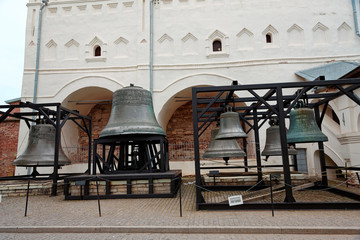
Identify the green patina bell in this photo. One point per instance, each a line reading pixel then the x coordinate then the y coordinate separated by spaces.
pixel 303 127
pixel 132 113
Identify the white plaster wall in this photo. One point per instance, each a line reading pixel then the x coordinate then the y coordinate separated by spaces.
pixel 72 27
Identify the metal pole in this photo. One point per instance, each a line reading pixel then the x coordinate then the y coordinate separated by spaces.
pixel 257 146
pixel 199 198
pixel 271 194
pixel 27 197
pixel 56 153
pixel 285 155
pixel 98 197
pixel 180 198
pixel 346 175
pixel 89 147
pixel 245 150
pixel 324 180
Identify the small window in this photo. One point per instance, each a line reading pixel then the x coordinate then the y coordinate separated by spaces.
pixel 335 117
pixel 97 51
pixel 268 38
pixel 217 46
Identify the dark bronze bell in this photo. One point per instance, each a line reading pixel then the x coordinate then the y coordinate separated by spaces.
pixel 303 127
pixel 41 148
pixel 222 148
pixel 132 113
pixel 230 125
pixel 273 143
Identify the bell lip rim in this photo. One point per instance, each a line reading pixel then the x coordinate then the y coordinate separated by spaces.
pixel 309 140
pixel 129 134
pixel 40 165
pixel 224 136
pixel 232 156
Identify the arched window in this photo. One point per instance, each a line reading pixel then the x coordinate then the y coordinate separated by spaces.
pixel 97 51
pixel 268 38
pixel 217 46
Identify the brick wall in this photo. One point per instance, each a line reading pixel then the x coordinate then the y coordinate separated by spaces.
pixel 9 132
pixel 180 134
pixel 179 131
pixel 99 116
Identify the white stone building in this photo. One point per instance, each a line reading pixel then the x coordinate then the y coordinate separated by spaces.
pixel 90 48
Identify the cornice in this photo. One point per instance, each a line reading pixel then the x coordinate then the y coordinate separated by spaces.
pixel 349 138
pixel 194 66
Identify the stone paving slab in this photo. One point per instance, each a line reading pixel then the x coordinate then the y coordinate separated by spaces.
pixel 111 236
pixel 162 216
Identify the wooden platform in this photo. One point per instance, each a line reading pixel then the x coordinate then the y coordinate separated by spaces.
pixel 124 185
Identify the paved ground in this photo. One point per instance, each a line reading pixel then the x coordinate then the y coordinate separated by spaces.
pixel 55 218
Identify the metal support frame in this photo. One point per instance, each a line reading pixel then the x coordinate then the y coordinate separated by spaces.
pixel 257 108
pixel 56 115
pixel 131 153
pixel 174 176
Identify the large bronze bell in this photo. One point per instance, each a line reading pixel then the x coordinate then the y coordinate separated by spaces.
pixel 132 113
pixel 41 148
pixel 303 127
pixel 222 148
pixel 230 125
pixel 273 143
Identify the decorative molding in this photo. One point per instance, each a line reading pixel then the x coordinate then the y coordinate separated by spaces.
pixel 121 40
pixel 245 39
pixel 95 59
pixel 200 66
pixel 95 41
pixel 31 44
pixel 72 42
pixel 189 45
pixel 344 26
pixel 320 34
pixel 245 31
pixel 52 10
pixel 216 34
pixel 189 36
pixel 51 43
pixel 81 7
pixel 165 37
pixel 270 29
pixel 344 33
pixel 97 7
pixel 112 5
pixel 67 9
pixel 295 27
pixel 274 37
pixel 167 1
pixel 89 51
pixel 320 26
pixel 128 4
pixel 349 138
pixel 295 35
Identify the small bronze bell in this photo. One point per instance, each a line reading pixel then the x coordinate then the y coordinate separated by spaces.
pixel 132 113
pixel 273 142
pixel 230 125
pixel 222 148
pixel 41 148
pixel 303 127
